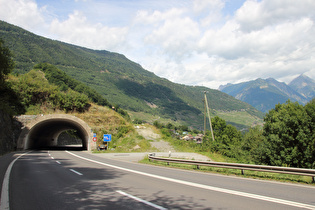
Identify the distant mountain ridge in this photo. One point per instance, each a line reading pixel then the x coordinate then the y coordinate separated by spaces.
pixel 304 85
pixel 264 94
pixel 121 81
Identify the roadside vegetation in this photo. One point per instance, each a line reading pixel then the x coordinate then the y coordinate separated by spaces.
pixel 287 138
pixel 47 87
pixel 234 172
pixel 104 120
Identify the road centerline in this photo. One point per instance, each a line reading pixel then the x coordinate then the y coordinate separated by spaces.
pixel 76 172
pixel 141 200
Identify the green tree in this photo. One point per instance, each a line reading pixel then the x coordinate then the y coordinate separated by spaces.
pixel 71 101
pixel 251 144
pixel 289 138
pixel 310 150
pixel 6 62
pixel 65 82
pixel 170 126
pixel 9 100
pixel 32 88
pixel 227 138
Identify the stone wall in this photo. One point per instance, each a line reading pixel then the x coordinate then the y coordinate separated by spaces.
pixel 10 130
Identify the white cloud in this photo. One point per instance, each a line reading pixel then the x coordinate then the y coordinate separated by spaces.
pixel 77 30
pixel 175 37
pixel 200 6
pixel 255 15
pixel 208 11
pixel 229 42
pixel 24 13
pixel 146 17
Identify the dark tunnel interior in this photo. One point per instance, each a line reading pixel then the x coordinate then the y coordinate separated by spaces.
pixel 44 135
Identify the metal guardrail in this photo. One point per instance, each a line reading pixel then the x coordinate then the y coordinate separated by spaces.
pixel 242 167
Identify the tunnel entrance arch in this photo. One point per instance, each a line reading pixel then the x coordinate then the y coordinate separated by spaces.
pixel 43 131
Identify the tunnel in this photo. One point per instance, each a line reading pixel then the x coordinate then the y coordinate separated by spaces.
pixel 43 132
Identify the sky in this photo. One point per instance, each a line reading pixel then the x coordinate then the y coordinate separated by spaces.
pixel 192 42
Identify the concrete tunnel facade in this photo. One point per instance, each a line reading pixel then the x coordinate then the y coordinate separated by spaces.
pixel 43 131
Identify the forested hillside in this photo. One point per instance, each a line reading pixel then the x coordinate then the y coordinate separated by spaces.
pixel 121 82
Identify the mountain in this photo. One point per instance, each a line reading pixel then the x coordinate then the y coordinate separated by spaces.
pixel 264 94
pixel 304 85
pixel 123 82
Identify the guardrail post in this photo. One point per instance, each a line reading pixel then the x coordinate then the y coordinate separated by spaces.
pixel 313 179
pixel 151 155
pixel 198 167
pixel 242 171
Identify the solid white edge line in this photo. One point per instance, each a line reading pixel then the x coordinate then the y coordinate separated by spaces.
pixel 141 200
pixel 217 189
pixel 74 171
pixel 5 202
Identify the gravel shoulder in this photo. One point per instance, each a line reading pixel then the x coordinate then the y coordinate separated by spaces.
pixel 161 149
pixel 155 139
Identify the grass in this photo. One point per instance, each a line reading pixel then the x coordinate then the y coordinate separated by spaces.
pixel 184 147
pixel 150 118
pixel 236 172
pixel 242 118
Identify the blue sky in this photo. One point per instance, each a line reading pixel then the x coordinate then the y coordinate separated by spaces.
pixel 193 42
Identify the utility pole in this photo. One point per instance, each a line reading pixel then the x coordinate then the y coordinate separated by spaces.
pixel 205 118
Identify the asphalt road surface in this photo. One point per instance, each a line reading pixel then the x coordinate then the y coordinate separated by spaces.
pixel 81 180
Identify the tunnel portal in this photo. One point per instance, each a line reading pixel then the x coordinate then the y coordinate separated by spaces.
pixel 43 132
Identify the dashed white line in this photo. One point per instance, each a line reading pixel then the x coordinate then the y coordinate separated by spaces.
pixel 74 171
pixel 141 200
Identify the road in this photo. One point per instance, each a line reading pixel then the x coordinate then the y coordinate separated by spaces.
pixel 81 180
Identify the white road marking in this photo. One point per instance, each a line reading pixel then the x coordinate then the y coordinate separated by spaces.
pixel 141 200
pixel 74 171
pixel 4 203
pixel 217 189
pixel 58 162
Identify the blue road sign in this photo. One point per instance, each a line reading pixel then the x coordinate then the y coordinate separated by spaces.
pixel 94 134
pixel 107 137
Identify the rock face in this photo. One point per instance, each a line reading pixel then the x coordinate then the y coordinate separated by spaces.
pixel 10 130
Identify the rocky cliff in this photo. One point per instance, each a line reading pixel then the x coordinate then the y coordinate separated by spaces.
pixel 10 130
